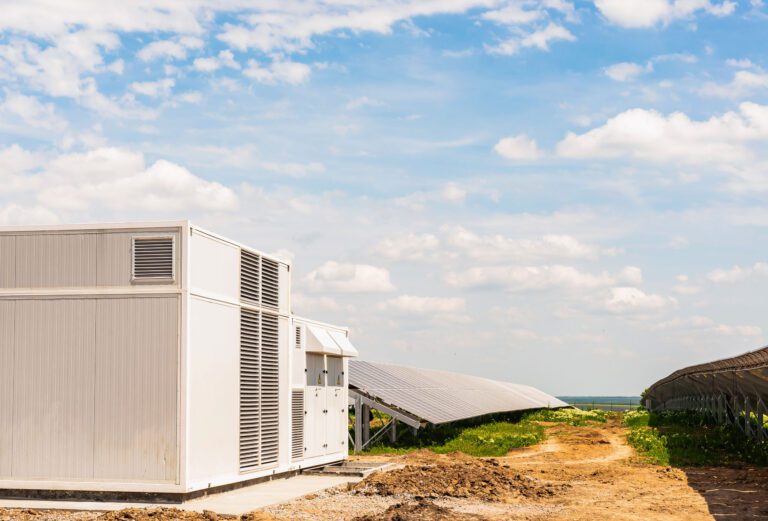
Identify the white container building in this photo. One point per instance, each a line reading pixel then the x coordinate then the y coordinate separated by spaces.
pixel 158 358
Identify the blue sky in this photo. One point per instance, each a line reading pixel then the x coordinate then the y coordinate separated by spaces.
pixel 564 194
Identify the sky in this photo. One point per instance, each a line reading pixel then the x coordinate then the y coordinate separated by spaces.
pixel 567 194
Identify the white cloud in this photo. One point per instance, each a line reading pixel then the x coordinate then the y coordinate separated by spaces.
pixel 361 102
pixel 453 193
pixel 112 179
pixel 629 299
pixel 743 84
pixel 737 273
pixel 303 303
pixel 514 14
pixel 526 278
pixel 520 147
pixel 647 13
pixel 424 305
pixel 349 278
pixel 539 39
pixel 225 58
pixel 293 73
pixel 169 49
pixel 18 110
pixel 153 89
pixel 412 246
pixel 627 71
pixel 650 136
pixel 498 248
pixel 743 63
pixel 193 96
pixel 293 169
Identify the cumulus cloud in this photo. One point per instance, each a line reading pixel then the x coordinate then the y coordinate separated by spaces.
pixel 737 273
pixel 225 58
pixel 349 278
pixel 743 84
pixel 18 111
pixel 424 305
pixel 412 246
pixel 499 248
pixel 153 89
pixel 526 278
pixel 453 193
pixel 629 299
pixel 520 147
pixel 651 136
pixel 113 179
pixel 282 71
pixel 539 39
pixel 653 12
pixel 627 71
pixel 169 49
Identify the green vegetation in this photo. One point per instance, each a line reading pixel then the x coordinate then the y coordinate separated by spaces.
pixel 682 438
pixel 488 436
pixel 568 416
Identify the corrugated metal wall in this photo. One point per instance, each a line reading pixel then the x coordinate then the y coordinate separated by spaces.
pixel 93 388
pixel 88 384
pixel 54 389
pixel 136 382
pixel 6 385
pixel 69 260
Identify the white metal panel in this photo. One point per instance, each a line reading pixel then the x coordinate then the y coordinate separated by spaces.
pixel 7 261
pixel 56 260
pixel 347 349
pixel 285 289
pixel 214 267
pixel 315 429
pixel 137 345
pixel 320 341
pixel 6 386
pixel 336 420
pixel 213 363
pixel 284 388
pixel 54 389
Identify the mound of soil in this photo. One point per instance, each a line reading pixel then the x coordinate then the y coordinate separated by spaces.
pixel 420 511
pixel 479 479
pixel 160 514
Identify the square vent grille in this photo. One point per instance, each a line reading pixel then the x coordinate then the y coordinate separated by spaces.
pixel 153 258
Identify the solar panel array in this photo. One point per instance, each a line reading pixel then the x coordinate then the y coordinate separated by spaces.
pixel 441 396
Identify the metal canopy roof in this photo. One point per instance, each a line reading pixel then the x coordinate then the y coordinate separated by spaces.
pixel 440 396
pixel 748 371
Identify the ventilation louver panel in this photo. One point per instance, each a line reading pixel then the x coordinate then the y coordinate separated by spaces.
pixel 270 412
pixel 297 425
pixel 250 390
pixel 153 258
pixel 298 337
pixel 250 268
pixel 270 282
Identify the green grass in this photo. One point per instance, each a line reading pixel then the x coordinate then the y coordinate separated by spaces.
pixel 682 438
pixel 486 437
pixel 569 416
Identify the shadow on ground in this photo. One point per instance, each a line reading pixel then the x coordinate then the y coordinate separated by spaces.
pixel 732 493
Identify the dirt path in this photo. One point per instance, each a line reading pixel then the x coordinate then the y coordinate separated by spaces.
pixel 577 474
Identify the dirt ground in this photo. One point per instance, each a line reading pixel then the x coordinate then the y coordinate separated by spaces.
pixel 577 474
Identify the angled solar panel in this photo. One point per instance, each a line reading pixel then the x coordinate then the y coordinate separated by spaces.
pixel 441 396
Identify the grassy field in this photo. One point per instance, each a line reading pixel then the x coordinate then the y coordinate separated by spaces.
pixel 686 439
pixel 493 437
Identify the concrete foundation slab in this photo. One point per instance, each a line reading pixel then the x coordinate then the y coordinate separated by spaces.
pixel 235 502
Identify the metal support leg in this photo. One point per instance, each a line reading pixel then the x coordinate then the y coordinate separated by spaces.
pixel 358 424
pixel 393 431
pixel 366 417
